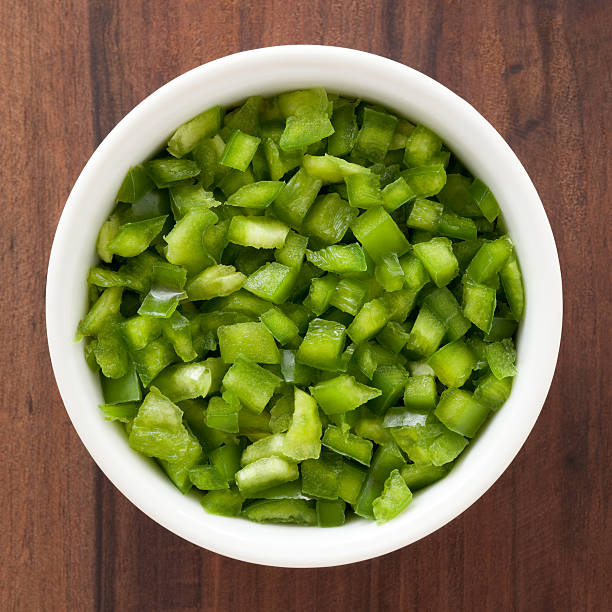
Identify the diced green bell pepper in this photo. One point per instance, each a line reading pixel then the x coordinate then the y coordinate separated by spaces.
pixel 296 511
pixel 184 381
pixel 379 234
pixel 239 150
pixel 322 345
pixel 394 499
pixel 265 473
pixel 187 136
pixel 253 384
pixel 258 232
pixel 248 340
pixel 453 363
pixel 460 412
pixel 348 444
pixel 342 394
pixel 215 281
pixel 339 258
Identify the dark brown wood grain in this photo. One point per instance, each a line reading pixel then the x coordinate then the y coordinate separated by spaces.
pixel 540 71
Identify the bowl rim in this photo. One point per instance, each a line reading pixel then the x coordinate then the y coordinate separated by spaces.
pixel 269 544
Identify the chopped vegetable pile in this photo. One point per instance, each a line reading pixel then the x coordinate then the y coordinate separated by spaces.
pixel 305 308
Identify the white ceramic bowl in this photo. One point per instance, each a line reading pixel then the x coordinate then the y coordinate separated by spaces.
pixel 268 71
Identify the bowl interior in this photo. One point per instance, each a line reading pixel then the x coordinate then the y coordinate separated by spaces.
pixel 268 71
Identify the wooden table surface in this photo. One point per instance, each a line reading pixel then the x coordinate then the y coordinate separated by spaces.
pixel 540 72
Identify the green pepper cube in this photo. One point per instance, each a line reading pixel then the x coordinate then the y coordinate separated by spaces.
pixel 393 336
pixel 339 258
pixel 223 503
pixel 501 357
pixel 484 199
pixel 391 380
pixel 187 136
pixel 258 232
pixel 489 260
pixel 389 272
pixel 342 141
pixel 415 274
pixel 178 470
pixel 272 282
pixel 302 130
pixel 246 117
pixel 349 294
pixel 105 309
pixel 292 253
pixel 184 381
pixel 351 480
pixel 394 499
pixel 296 511
pixel 363 190
pixel 239 150
pixel 425 215
pixel 207 478
pixel 184 241
pixel 420 392
pixel 397 194
pixel 257 195
pixel 250 340
pixel 375 135
pixel 426 334
pixel 387 457
pixel 226 458
pixel 369 321
pixel 379 234
pixel 215 281
pixel 152 359
pixel 328 219
pixel 348 444
pixel 167 283
pixel 342 394
pixel 454 226
pixel 438 258
pixel 460 412
pixel 265 473
pixel 302 100
pixel 320 293
pixel 279 325
pixel 121 390
pixel 253 385
pixel 294 372
pixel 479 303
pixel 456 196
pixel 512 282
pixel 446 308
pixel 124 413
pixel 432 443
pixel 322 345
pixel 133 238
pixel 492 392
pixel 158 430
pixel 419 476
pixel 222 416
pixel 303 438
pixel 425 181
pixel 270 446
pixel 320 477
pixel 166 171
pixel 295 200
pixel 280 162
pixel 422 144
pixel 453 363
pixel 134 186
pixel 330 513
